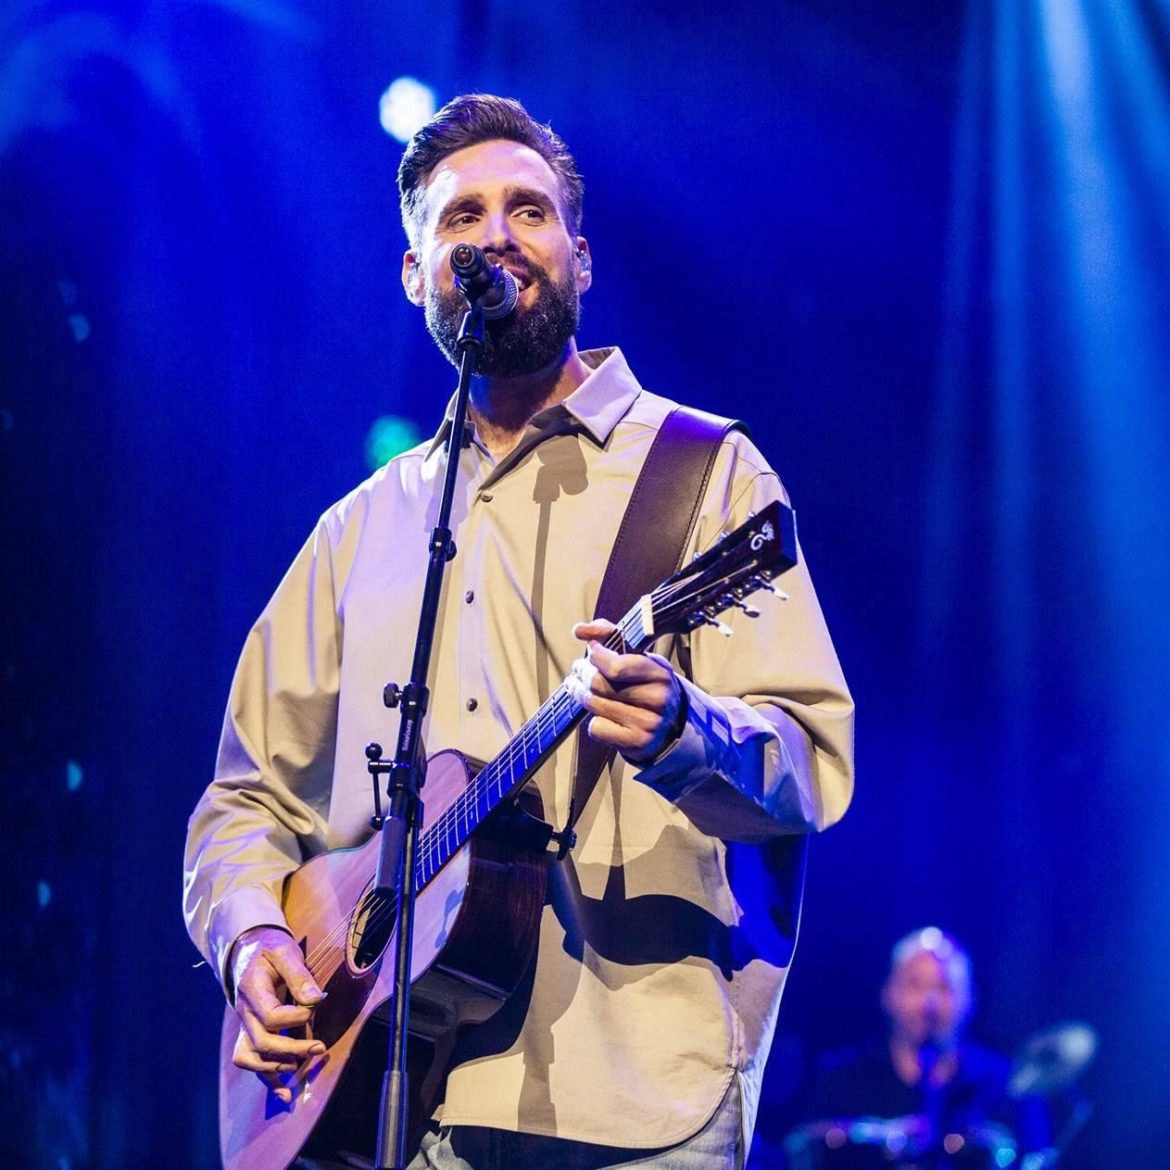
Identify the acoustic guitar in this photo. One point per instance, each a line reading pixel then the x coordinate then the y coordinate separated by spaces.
pixel 480 878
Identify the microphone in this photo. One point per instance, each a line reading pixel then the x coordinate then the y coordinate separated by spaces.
pixel 492 285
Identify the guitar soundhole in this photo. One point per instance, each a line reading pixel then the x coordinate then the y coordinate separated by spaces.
pixel 371 928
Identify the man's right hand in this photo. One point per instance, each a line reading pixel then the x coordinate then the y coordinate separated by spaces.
pixel 266 961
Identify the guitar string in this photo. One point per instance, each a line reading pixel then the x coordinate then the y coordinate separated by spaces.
pixel 444 833
pixel 442 839
pixel 531 735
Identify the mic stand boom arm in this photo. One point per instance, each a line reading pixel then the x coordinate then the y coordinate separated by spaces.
pixel 400 828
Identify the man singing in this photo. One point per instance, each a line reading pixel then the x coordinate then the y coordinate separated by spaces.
pixel 640 1034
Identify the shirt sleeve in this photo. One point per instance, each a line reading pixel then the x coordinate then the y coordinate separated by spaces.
pixel 767 745
pixel 265 810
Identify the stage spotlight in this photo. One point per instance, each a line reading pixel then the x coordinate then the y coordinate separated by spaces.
pixel 406 106
pixel 389 436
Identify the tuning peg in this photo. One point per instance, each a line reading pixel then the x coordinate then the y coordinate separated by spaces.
pixel 762 582
pixel 699 552
pixel 715 623
pixel 750 610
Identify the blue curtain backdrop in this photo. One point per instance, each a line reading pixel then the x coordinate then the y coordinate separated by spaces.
pixel 932 247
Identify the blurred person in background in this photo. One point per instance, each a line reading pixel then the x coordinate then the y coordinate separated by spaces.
pixel 927 1093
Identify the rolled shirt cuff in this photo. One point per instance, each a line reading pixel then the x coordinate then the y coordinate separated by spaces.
pixel 705 745
pixel 241 910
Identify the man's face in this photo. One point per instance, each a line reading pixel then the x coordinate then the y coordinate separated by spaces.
pixel 504 198
pixel 923 1004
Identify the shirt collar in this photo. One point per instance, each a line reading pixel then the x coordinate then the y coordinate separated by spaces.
pixel 606 395
pixel 598 404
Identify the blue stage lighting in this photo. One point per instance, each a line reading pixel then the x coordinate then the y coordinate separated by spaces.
pixel 405 107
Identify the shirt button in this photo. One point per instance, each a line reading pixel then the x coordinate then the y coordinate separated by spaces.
pixel 485 497
pixel 472 704
pixel 469 596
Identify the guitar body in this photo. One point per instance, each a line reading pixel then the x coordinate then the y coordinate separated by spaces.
pixel 476 925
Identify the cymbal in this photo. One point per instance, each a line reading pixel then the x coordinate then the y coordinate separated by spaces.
pixel 1052 1059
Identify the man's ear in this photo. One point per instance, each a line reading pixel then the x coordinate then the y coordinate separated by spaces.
pixel 413 282
pixel 584 265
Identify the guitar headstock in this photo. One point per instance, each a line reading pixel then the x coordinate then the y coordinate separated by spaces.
pixel 742 563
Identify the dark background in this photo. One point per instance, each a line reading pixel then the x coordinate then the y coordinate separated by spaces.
pixel 921 248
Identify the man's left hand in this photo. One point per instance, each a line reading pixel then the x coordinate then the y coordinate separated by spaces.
pixel 636 701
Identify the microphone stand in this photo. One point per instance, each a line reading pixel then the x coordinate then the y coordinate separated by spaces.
pixel 400 827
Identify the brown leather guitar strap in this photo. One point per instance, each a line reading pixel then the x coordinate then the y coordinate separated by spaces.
pixel 657 524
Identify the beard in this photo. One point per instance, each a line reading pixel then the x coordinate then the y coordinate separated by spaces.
pixel 528 341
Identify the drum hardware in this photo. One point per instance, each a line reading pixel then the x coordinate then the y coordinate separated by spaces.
pixel 901 1143
pixel 1051 1060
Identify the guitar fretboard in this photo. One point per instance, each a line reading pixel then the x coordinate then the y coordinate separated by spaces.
pixel 508 771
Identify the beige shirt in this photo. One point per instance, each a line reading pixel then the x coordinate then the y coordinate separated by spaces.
pixel 669 983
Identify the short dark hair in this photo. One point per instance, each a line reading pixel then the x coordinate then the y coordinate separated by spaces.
pixel 481 117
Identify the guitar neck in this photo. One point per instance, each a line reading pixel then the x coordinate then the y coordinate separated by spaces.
pixel 741 563
pixel 506 773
